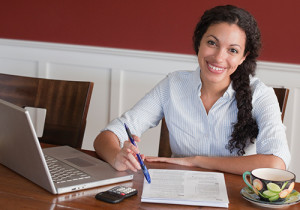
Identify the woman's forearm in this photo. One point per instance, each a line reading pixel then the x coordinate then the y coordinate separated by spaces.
pixel 107 146
pixel 238 165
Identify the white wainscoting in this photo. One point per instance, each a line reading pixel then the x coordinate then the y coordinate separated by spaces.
pixel 122 77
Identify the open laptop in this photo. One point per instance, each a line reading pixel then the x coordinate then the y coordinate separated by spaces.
pixel 20 151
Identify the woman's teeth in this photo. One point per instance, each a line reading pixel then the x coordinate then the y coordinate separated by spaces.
pixel 215 68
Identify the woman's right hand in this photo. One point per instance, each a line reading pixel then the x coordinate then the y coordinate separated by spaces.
pixel 126 158
pixel 107 147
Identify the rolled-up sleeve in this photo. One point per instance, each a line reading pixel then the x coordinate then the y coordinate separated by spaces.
pixel 146 114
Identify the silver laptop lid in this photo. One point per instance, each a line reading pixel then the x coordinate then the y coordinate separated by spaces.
pixel 19 146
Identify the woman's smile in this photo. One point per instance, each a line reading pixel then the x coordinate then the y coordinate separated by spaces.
pixel 215 68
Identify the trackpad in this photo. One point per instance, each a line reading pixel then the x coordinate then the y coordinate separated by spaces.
pixel 79 162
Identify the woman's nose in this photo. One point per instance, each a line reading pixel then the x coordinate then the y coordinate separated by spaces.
pixel 220 55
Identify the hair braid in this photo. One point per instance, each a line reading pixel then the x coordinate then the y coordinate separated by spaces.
pixel 246 128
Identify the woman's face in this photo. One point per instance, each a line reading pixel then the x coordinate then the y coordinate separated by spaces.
pixel 220 52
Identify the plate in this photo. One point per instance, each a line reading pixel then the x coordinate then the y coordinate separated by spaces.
pixel 291 199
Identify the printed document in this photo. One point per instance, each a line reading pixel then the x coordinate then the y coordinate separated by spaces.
pixel 186 187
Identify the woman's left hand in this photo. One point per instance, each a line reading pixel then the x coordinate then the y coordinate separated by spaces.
pixel 186 161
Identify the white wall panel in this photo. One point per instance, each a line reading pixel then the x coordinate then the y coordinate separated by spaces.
pixel 293 131
pixel 134 86
pixel 19 66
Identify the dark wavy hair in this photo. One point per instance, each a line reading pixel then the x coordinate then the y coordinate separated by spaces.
pixel 245 129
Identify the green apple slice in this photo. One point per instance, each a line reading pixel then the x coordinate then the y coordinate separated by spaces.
pixel 269 194
pixel 273 187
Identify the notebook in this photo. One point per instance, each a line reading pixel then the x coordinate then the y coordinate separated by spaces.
pixel 20 151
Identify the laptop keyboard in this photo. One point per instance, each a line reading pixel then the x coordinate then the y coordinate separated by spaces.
pixel 62 172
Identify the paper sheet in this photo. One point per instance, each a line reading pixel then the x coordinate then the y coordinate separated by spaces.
pixel 186 187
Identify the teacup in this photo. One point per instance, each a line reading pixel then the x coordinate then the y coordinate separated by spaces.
pixel 270 184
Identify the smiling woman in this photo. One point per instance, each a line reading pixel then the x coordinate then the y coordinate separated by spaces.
pixel 220 41
pixel 214 113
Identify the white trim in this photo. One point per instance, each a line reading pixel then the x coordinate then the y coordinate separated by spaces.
pixel 276 66
pixel 99 50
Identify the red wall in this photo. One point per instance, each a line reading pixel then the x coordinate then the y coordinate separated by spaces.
pixel 155 25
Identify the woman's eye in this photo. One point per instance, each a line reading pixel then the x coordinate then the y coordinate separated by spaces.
pixel 232 50
pixel 210 42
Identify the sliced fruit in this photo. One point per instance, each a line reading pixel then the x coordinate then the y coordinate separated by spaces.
pixel 269 194
pixel 284 193
pixel 273 187
pixel 274 198
pixel 257 184
pixel 291 187
pixel 256 191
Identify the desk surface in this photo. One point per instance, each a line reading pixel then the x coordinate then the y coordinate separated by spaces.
pixel 17 192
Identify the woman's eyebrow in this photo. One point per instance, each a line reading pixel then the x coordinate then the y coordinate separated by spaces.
pixel 213 37
pixel 236 45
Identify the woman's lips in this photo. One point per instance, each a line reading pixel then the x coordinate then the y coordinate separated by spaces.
pixel 215 69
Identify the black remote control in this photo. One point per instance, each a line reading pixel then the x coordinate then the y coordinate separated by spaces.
pixel 116 194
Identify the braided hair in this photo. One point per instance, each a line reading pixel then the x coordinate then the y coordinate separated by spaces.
pixel 245 129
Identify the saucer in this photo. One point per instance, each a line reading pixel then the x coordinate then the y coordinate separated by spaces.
pixel 249 195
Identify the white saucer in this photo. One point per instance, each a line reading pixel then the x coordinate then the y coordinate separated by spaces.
pixel 250 196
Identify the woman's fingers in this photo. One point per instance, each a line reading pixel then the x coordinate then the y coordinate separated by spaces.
pixel 133 161
pixel 126 158
pixel 136 138
pixel 129 145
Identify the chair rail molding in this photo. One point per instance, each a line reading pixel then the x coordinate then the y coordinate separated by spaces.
pixel 121 77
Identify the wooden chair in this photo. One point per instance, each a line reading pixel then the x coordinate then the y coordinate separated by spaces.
pixel 66 104
pixel 282 96
pixel 164 143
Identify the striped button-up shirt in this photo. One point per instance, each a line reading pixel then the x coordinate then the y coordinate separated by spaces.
pixel 193 131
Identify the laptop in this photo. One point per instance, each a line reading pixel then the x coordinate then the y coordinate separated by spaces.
pixel 20 151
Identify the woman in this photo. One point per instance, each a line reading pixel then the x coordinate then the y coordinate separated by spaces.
pixel 214 113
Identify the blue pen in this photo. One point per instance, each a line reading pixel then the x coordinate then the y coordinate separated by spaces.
pixel 144 168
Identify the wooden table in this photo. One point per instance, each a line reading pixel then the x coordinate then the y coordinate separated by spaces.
pixel 17 192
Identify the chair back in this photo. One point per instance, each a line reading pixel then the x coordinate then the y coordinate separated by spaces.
pixel 164 149
pixel 66 104
pixel 282 96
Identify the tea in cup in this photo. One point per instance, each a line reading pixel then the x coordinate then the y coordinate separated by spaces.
pixel 270 184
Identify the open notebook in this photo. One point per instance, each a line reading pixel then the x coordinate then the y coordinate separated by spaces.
pixel 21 152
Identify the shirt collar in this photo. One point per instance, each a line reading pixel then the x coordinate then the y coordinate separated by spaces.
pixel 229 93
